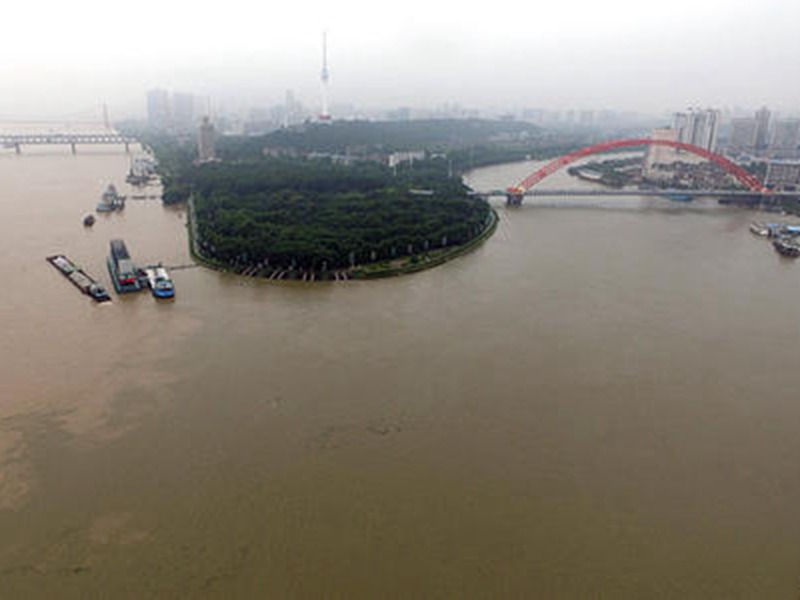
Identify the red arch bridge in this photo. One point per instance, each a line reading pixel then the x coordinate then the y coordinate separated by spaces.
pixel 515 194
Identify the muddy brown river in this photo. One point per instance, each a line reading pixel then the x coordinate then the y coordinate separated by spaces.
pixel 600 402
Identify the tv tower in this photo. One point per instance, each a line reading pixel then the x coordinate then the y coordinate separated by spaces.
pixel 324 115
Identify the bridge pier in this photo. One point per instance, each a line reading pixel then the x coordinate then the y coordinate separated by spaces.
pixel 74 149
pixel 127 148
pixel 18 148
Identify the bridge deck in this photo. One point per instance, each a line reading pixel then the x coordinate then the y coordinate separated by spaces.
pixel 64 138
pixel 628 192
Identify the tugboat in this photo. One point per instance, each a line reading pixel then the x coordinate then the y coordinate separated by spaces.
pixel 123 271
pixel 787 247
pixel 98 292
pixel 160 284
pixel 111 200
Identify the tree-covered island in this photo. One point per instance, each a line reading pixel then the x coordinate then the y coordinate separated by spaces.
pixel 314 218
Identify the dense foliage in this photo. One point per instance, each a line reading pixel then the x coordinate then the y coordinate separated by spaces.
pixel 365 137
pixel 317 215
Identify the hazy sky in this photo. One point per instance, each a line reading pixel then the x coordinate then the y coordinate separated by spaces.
pixel 62 58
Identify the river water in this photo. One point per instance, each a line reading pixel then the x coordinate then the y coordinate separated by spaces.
pixel 601 401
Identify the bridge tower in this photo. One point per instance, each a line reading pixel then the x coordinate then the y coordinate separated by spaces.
pixel 324 114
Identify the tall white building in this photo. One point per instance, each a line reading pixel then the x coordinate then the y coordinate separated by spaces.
pixel 697 127
pixel 293 110
pixel 744 132
pixel 205 141
pixel 762 127
pixel 660 155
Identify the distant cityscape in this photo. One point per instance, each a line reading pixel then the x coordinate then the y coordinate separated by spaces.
pixel 762 139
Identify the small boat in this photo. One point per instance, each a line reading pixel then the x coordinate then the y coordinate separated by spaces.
pixel 759 229
pixel 791 230
pixel 786 247
pixel 111 200
pixel 98 292
pixel 160 283
pixel 680 197
pixel 88 220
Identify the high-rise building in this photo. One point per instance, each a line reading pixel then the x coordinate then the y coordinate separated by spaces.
pixel 158 113
pixel 205 141
pixel 697 127
pixel 660 155
pixel 294 112
pixel 762 128
pixel 743 134
pixel 785 137
pixel 183 111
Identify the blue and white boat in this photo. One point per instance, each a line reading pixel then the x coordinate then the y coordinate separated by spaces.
pixel 160 284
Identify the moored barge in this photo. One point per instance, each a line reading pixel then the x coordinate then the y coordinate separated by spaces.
pixel 787 247
pixel 79 278
pixel 123 271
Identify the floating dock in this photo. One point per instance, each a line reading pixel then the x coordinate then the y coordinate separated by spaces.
pixel 79 278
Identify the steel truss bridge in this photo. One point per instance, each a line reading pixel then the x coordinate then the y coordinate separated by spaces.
pixel 515 194
pixel 16 141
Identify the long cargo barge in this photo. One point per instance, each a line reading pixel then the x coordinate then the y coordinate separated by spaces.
pixel 79 278
pixel 124 274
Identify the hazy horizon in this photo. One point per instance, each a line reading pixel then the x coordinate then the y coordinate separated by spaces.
pixel 618 55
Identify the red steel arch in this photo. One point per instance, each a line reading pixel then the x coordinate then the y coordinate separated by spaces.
pixel 746 178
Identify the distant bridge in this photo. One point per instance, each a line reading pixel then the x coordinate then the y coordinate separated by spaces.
pixel 515 194
pixel 645 192
pixel 16 141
